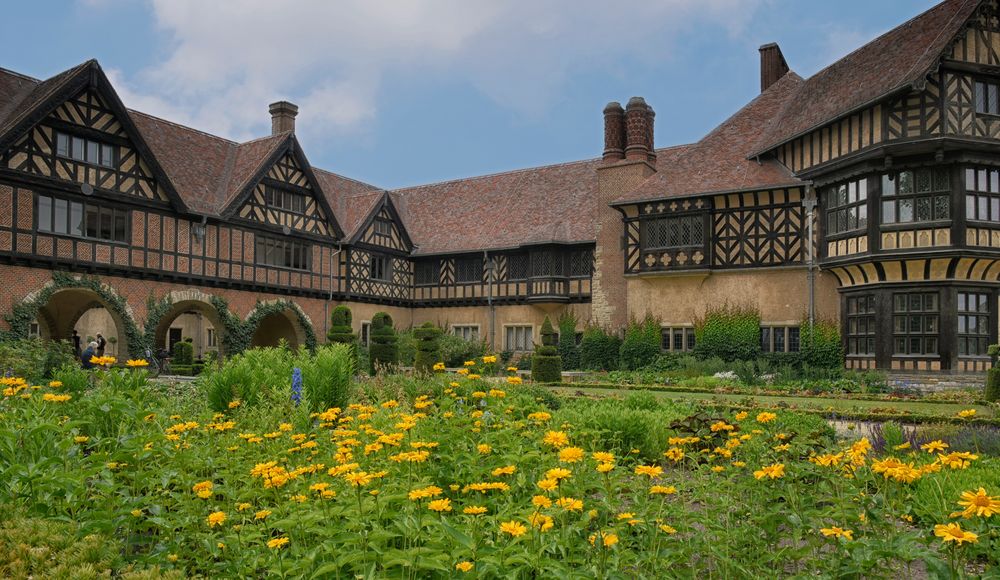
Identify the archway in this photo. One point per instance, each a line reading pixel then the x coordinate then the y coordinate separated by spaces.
pixel 274 327
pixel 193 318
pixel 86 312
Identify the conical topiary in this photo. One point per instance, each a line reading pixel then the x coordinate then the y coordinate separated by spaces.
pixel 428 347
pixel 546 364
pixel 340 326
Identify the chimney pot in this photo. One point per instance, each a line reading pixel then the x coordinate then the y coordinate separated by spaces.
pixel 614 132
pixel 772 65
pixel 283 117
pixel 639 130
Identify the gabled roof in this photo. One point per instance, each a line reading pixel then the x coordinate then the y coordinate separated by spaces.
pixel 384 201
pixel 895 61
pixel 34 93
pixel 350 199
pixel 718 162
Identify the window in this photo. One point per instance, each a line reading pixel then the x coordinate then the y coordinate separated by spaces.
pixel 383 228
pixel 427 273
pixel 284 200
pixel 282 252
pixel 366 328
pixel 581 263
pixel 973 323
pixel 677 339
pixel 73 218
pixel 469 269
pixel 518 338
pixel 909 196
pixel 847 207
pixel 779 339
pixel 468 332
pixel 211 338
pixel 33 329
pixel 986 98
pixel 546 263
pixel 672 232
pixel 517 267
pixel 861 325
pixel 379 267
pixel 915 323
pixel 982 194
pixel 85 150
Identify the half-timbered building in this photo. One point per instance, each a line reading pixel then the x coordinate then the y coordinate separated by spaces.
pixel 868 193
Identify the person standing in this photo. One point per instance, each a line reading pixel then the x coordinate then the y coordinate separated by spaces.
pixel 76 343
pixel 101 343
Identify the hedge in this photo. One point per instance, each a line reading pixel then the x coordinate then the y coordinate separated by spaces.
pixel 992 393
pixel 641 345
pixel 384 351
pixel 183 353
pixel 546 364
pixel 428 350
pixel 599 349
pixel 568 349
pixel 820 344
pixel 730 332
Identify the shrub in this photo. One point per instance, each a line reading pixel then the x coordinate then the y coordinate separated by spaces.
pixel 340 326
pixel 326 376
pixel 455 350
pixel 820 344
pixel 730 332
pixel 183 354
pixel 34 359
pixel 641 345
pixel 383 351
pixel 546 364
pixel 406 343
pixel 260 375
pixel 568 349
pixel 599 350
pixel 992 392
pixel 74 378
pixel 428 347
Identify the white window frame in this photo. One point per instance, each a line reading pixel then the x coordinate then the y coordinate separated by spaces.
pixel 452 329
pixel 785 329
pixel 670 329
pixel 531 336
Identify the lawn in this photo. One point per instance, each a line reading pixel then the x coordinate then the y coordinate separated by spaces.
pixel 257 470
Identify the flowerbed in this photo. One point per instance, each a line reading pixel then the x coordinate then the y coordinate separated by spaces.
pixel 467 479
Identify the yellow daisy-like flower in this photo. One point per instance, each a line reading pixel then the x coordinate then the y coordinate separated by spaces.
pixel 505 470
pixel 277 543
pixel 603 456
pixel 571 454
pixel 514 528
pixel 967 413
pixel 262 515
pixel 605 467
pixel 954 533
pixel 837 532
pixel 662 490
pixel 474 510
pixel 81 439
pixel 469 363
pixel 440 505
pixel 541 521
pixel 540 501
pixel 741 415
pixel 558 473
pixel 570 504
pixel 556 439
pixel 243 507
pixel 977 503
pixel 203 489
pixel 484 449
pixel 773 471
pixel 670 530
pixel 548 484
pixel 515 380
pixel 765 417
pixel 215 519
pixel 651 471
pixel 674 454
pixel 465 566
pixel 136 363
pixel 934 446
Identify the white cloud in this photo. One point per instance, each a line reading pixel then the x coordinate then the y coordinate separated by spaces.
pixel 226 60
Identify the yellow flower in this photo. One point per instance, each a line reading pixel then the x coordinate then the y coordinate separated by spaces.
pixel 440 505
pixel 721 426
pixel 469 363
pixel 605 467
pixel 556 439
pixel 514 528
pixel 540 501
pixel 203 489
pixel 570 504
pixel 172 557
pixel 718 469
pixel 81 439
pixel 515 380
pixel 541 521
pixel 957 459
pixel 773 471
pixel 277 543
pixel 136 513
pixel 234 404
pixel 464 566
pixel 548 484
pixel 667 529
pixel 902 446
pixel 782 447
pixel 216 519
pixel 262 515
pixel 837 533
pixel 741 415
pixel 954 533
pixel 424 493
pixel 474 510
pixel 979 504
pixel 766 417
pixel 675 454
pixel 506 470
pixel 934 446
pixel 570 454
pixel 652 471
pixel 137 363
pixel 438 366
pixel 662 490
pixel 243 506
pixel 967 413
pixel 358 478
pixel 607 539
pixel 55 384
pixel 484 449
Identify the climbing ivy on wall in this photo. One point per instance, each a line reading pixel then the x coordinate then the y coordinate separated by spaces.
pixel 21 315
pixel 238 334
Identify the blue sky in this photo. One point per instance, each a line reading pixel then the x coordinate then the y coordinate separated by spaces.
pixel 403 93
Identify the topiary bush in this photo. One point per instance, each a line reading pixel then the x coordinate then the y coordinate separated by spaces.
pixel 428 349
pixel 546 364
pixel 730 332
pixel 599 350
pixel 992 392
pixel 183 353
pixel 340 326
pixel 568 349
pixel 820 344
pixel 383 352
pixel 641 345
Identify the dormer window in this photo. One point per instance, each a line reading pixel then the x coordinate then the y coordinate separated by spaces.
pixel 285 200
pixel 85 150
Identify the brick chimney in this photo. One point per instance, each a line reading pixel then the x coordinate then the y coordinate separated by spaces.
pixel 283 117
pixel 614 132
pixel 638 129
pixel 772 65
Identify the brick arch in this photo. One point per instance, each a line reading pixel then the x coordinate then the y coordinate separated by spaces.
pixel 180 302
pixel 58 309
pixel 273 320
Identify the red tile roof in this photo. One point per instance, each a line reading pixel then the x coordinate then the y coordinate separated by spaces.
pixel 719 161
pixel 893 61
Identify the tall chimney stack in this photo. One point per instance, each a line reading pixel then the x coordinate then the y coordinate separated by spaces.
pixel 614 132
pixel 283 117
pixel 772 65
pixel 639 131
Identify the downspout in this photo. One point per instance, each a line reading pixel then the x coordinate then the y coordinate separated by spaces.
pixel 809 203
pixel 490 267
pixel 326 306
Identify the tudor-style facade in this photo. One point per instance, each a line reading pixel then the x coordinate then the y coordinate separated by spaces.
pixel 889 157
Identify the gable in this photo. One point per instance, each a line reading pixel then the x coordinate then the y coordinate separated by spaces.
pixel 979 42
pixel 285 197
pixel 84 141
pixel 385 231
